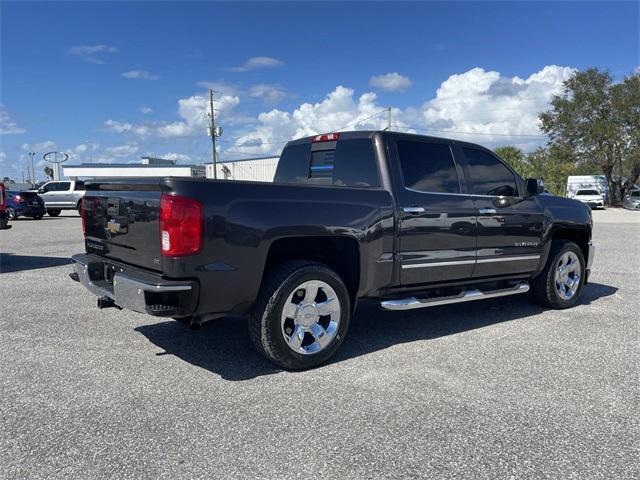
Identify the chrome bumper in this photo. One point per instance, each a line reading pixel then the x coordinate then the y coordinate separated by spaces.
pixel 134 289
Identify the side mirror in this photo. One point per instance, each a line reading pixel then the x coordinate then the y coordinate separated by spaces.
pixel 42 190
pixel 534 186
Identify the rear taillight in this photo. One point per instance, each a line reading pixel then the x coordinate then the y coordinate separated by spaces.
pixel 82 213
pixel 325 137
pixel 180 226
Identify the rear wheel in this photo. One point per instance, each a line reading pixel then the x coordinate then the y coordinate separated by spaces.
pixel 38 217
pixel 301 316
pixel 560 283
pixel 53 213
pixel 4 220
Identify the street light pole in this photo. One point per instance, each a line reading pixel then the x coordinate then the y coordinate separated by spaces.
pixel 33 169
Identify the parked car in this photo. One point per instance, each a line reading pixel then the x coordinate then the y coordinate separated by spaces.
pixel 591 197
pixel 62 195
pixel 632 200
pixel 24 204
pixel 587 182
pixel 409 220
pixel 4 216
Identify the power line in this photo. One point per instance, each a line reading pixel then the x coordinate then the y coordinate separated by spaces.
pixel 537 135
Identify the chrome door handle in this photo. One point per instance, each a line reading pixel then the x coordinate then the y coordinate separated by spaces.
pixel 487 211
pixel 413 209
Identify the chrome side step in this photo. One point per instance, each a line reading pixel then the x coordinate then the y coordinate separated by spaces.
pixel 466 296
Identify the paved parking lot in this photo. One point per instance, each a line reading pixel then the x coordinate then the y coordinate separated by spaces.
pixel 494 389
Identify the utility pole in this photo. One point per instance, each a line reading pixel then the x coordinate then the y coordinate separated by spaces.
pixel 388 119
pixel 33 169
pixel 90 153
pixel 212 132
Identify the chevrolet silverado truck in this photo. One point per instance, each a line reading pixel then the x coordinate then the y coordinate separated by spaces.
pixel 410 221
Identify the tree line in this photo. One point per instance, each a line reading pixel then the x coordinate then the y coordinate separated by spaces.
pixel 593 126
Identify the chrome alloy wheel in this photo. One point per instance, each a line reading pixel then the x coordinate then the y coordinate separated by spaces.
pixel 310 317
pixel 567 277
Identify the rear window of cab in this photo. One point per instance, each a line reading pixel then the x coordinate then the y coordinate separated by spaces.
pixel 343 163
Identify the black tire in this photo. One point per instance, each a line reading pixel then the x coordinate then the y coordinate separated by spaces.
pixel 12 213
pixel 38 217
pixel 79 208
pixel 53 213
pixel 544 285
pixel 265 320
pixel 4 220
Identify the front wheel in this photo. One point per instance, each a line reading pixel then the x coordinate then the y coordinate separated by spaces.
pixel 560 283
pixel 13 215
pixel 53 213
pixel 301 316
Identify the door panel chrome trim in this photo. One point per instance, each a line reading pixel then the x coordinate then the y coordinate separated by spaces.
pixel 439 264
pixel 509 259
pixel 467 262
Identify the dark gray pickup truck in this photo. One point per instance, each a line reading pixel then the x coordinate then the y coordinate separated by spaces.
pixel 409 220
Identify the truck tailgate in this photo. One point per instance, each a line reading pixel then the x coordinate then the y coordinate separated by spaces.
pixel 123 223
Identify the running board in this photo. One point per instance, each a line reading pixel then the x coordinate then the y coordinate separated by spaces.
pixel 466 296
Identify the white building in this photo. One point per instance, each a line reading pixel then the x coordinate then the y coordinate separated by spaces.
pixel 149 167
pixel 260 169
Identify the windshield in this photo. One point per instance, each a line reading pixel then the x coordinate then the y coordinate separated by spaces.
pixel 635 193
pixel 588 192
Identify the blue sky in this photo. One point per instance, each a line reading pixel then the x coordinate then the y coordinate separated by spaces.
pixel 131 78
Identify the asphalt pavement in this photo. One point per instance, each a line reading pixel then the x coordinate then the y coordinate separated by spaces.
pixel 497 389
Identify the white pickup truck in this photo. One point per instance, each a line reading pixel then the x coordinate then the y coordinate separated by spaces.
pixel 61 195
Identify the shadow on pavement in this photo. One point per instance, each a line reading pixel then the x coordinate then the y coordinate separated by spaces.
pixel 224 348
pixel 17 263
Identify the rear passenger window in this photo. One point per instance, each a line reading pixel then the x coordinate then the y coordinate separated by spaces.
pixel 293 165
pixel 428 167
pixel 488 175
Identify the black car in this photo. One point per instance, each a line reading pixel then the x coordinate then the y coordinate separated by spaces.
pixel 25 204
pixel 408 220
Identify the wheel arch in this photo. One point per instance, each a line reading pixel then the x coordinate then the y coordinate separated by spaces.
pixel 340 253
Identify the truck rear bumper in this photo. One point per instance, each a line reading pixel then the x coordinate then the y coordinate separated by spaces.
pixel 133 288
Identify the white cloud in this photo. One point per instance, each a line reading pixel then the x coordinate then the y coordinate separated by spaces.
pixel 194 120
pixel 337 111
pixel 125 127
pixel 220 87
pixel 146 110
pixel 257 62
pixel 3 157
pixel 122 150
pixel 637 70
pixel 139 75
pixel 40 147
pixel 495 109
pixel 391 82
pixel 7 125
pixel 478 106
pixel 181 157
pixel 269 94
pixel 91 53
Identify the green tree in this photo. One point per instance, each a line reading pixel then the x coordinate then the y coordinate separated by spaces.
pixel 598 122
pixel 516 158
pixel 48 171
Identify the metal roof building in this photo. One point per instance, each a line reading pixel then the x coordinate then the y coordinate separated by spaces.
pixel 259 169
pixel 149 167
